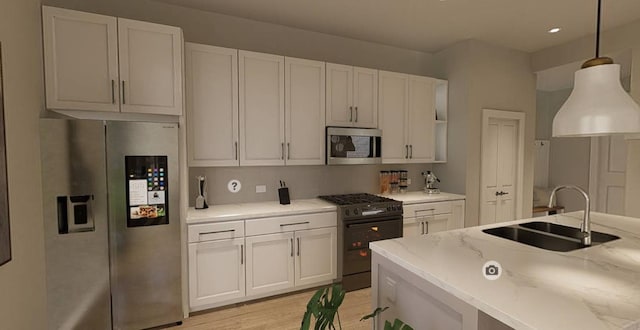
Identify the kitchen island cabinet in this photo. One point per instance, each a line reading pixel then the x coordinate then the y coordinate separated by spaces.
pixel 437 281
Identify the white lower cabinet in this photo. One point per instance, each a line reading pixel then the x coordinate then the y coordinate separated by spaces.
pixel 210 283
pixel 316 252
pixel 269 263
pixel 426 218
pixel 231 262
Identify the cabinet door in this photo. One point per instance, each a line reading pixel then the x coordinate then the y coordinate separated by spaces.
pixel 411 227
pixel 434 224
pixel 392 109
pixel 457 215
pixel 80 60
pixel 304 111
pixel 216 271
pixel 269 263
pixel 421 117
pixel 339 95
pixel 365 97
pixel 261 109
pixel 316 253
pixel 150 67
pixel 212 105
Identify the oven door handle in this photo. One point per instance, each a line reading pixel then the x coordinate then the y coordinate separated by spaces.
pixel 361 225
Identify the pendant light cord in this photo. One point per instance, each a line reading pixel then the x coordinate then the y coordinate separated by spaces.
pixel 598 29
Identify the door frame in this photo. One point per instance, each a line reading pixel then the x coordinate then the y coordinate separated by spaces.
pixel 488 114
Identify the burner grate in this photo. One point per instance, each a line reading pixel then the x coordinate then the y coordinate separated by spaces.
pixel 352 199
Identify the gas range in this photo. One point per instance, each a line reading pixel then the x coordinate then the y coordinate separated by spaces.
pixel 363 206
pixel 362 218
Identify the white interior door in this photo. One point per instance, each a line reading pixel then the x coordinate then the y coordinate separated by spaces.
pixel 499 170
pixel 608 166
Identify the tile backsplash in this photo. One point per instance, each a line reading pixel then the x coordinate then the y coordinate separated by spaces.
pixel 303 181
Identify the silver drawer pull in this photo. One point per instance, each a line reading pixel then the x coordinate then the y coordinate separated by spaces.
pixel 217 232
pixel 293 224
pixel 427 210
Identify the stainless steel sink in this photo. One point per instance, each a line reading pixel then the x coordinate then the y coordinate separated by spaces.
pixel 548 236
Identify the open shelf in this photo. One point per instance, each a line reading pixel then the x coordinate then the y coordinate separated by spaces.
pixel 442 115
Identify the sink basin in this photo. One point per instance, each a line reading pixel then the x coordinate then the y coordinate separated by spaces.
pixel 571 232
pixel 548 236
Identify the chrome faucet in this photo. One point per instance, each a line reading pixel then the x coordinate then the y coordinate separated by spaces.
pixel 585 228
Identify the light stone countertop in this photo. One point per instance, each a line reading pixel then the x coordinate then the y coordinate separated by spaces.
pixel 416 197
pixel 241 211
pixel 593 288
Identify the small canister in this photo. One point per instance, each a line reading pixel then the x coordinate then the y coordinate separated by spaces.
pixel 385 180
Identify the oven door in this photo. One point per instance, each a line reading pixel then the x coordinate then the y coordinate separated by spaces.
pixel 357 235
pixel 353 145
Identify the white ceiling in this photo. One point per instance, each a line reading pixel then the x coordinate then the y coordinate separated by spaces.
pixel 432 25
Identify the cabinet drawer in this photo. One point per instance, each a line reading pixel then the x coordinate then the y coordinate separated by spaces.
pixel 216 231
pixel 418 210
pixel 290 223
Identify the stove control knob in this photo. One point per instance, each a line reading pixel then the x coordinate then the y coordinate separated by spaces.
pixel 356 211
pixel 389 208
pixel 346 212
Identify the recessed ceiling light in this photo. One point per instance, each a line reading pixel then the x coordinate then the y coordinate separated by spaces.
pixel 554 30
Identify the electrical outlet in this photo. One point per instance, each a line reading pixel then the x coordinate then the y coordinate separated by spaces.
pixel 261 188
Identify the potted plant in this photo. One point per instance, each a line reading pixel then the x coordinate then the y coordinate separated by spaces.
pixel 323 307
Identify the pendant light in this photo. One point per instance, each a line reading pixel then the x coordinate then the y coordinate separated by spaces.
pixel 598 105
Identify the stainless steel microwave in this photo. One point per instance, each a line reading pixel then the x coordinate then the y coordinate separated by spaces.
pixel 353 145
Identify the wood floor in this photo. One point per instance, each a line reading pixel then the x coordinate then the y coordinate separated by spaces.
pixel 280 313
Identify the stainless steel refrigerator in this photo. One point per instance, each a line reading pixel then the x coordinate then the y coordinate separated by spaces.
pixel 112 227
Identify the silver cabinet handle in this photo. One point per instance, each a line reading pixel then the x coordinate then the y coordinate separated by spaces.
pixel 411 151
pixel 288 150
pixel 113 91
pixel 292 247
pixel 217 232
pixel 406 152
pixel 282 151
pixel 236 143
pixel 123 98
pixel 298 241
pixel 293 224
pixel 350 113
pixel 356 114
pixel 421 227
pixel 242 254
pixel 426 227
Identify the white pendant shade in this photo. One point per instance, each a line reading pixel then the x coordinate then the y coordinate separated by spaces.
pixel 598 105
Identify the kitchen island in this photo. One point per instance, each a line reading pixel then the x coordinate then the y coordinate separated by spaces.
pixel 438 281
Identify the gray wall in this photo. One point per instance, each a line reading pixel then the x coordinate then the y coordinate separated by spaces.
pixel 22 281
pixel 483 76
pixel 303 181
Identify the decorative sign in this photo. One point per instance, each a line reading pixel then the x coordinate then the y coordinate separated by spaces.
pixel 234 186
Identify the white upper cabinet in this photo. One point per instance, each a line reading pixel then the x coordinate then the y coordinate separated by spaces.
pixel 352 96
pixel 421 118
pixel 101 63
pixel 150 67
pixel 81 60
pixel 407 116
pixel 394 95
pixel 261 109
pixel 212 105
pixel 305 111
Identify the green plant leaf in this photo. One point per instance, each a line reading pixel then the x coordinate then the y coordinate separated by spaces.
pixel 374 313
pixel 323 306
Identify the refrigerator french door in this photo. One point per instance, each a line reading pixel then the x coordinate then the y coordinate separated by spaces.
pixel 112 228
